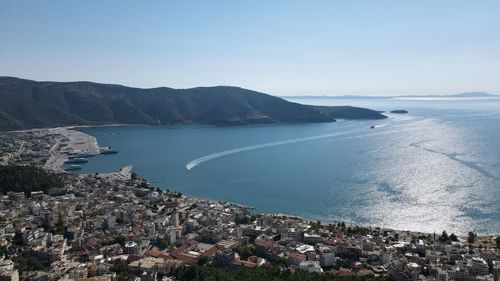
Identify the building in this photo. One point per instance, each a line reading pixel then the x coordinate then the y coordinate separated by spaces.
pixel 479 267
pixel 292 233
pixel 311 266
pixel 312 238
pixel 327 259
pixel 441 275
pixel 223 258
pixel 296 258
pixel 131 248
pixel 174 219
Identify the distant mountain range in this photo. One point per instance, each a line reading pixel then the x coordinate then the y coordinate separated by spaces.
pixel 460 95
pixel 30 104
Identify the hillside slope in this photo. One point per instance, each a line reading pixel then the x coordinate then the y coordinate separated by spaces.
pixel 31 104
pixel 349 112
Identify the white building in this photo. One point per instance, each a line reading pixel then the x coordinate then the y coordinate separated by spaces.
pixel 174 219
pixel 131 248
pixel 479 267
pixel 311 266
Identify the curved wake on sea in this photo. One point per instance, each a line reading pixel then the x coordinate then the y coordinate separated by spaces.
pixel 212 156
pixel 196 162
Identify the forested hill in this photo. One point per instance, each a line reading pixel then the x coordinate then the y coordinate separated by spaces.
pixel 26 179
pixel 31 104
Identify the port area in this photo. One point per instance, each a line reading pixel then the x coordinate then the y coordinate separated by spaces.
pixel 71 142
pixel 124 174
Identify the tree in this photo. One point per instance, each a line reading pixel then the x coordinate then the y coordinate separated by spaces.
pixel 123 271
pixel 444 237
pixel 60 228
pixel 18 238
pixel 30 263
pixel 154 208
pixel 120 239
pixel 26 179
pixel 453 237
pixel 165 243
pixel 245 252
pixel 142 184
pixel 133 176
pixel 472 238
pixel 342 263
pixel 498 242
pixel 202 260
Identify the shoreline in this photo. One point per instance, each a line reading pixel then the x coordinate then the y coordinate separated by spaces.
pixel 78 142
pixel 90 142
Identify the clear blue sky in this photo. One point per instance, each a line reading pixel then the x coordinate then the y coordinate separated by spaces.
pixel 279 47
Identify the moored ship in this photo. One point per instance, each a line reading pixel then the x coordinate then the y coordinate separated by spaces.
pixel 76 160
pixel 73 167
pixel 80 155
pixel 108 150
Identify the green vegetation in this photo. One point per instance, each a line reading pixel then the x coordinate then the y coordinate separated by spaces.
pixel 59 227
pixel 349 112
pixel 26 179
pixel 315 225
pixel 471 238
pixel 142 184
pixel 246 219
pixel 358 230
pixel 165 244
pixel 245 252
pixel 30 263
pixel 341 225
pixel 453 237
pixel 203 260
pixel 342 263
pixel 445 238
pixel 208 273
pixel 176 194
pixel 31 104
pixel 119 240
pixel 497 240
pixel 123 271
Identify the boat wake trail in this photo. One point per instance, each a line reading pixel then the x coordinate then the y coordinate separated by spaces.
pixel 212 156
pixel 191 165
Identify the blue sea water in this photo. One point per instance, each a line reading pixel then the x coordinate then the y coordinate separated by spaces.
pixel 436 168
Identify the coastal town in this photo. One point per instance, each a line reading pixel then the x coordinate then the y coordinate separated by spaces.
pixel 117 226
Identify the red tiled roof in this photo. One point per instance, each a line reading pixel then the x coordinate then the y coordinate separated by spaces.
pixel 263 243
pixel 297 256
pixel 345 272
pixel 210 252
pixel 243 263
pixel 157 254
pixel 185 257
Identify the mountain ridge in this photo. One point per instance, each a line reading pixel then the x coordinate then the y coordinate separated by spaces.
pixel 31 104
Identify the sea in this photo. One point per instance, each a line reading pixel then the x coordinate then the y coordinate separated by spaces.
pixel 436 168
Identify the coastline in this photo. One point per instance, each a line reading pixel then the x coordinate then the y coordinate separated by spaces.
pixel 85 143
pixel 78 142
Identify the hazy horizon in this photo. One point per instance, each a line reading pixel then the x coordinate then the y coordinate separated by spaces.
pixel 283 48
pixel 285 95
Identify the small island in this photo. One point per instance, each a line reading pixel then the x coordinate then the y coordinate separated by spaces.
pixel 399 111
